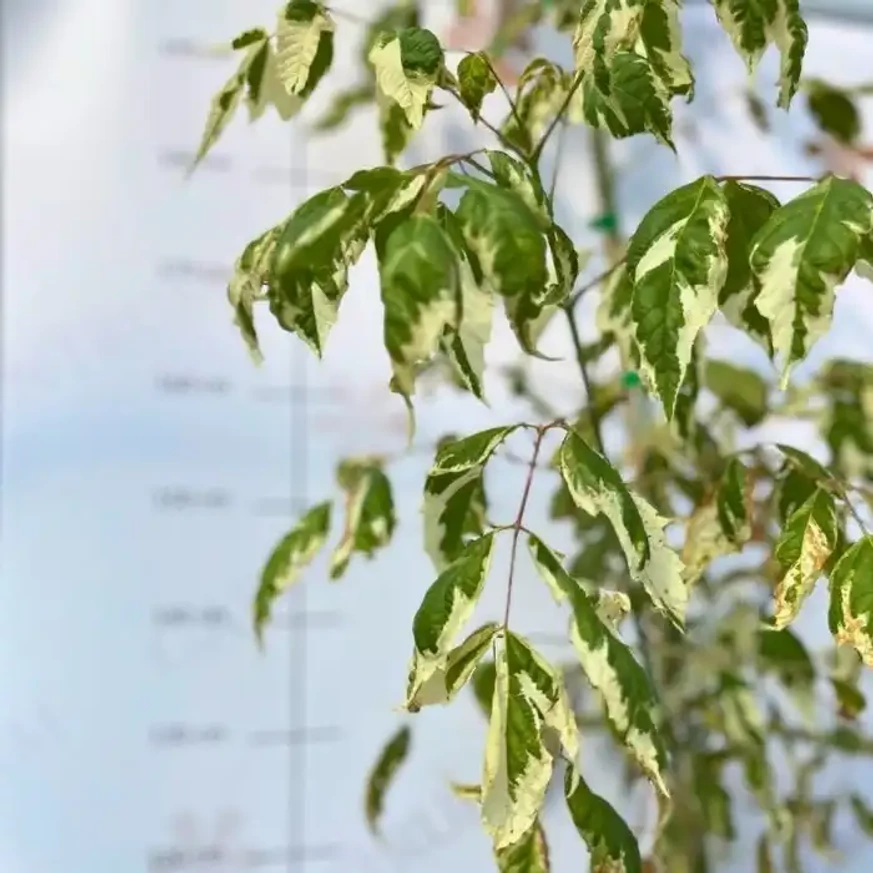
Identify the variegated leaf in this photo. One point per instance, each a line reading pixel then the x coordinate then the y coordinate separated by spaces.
pixel 445 609
pixel 370 518
pixel 420 292
pixel 309 270
pixel 611 669
pixel 529 701
pixel 611 843
pixel 753 26
pixel 678 264
pixel 614 315
pixel 596 487
pixel 807 247
pixel 806 543
pixel 304 45
pixel 506 238
pixel 476 81
pixel 407 64
pixel 851 599
pixel 288 559
pixel 529 855
pixel 750 208
pixel 390 760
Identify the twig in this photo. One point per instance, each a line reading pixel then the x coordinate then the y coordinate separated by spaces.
pixel 586 379
pixel 512 106
pixel 559 154
pixel 519 519
pixel 559 115
pixel 577 295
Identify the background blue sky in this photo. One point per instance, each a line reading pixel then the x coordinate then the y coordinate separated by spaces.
pixel 136 515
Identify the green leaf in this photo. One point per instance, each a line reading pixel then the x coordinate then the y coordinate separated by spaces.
pixel 288 559
pixel 715 801
pixel 807 247
pixel 482 683
pixel 342 104
pixel 249 37
pixel 596 487
pixel 678 265
pixel 784 654
pixel 464 454
pixel 476 81
pixel 251 272
pixel 750 208
pixel 511 174
pixel 370 519
pixel 752 27
pixel 610 667
pixel 529 701
pixel 851 611
pixel 614 315
pixel 863 814
pixel 529 855
pixel 613 847
pixel 390 760
pixel 304 46
pixel 741 390
pixel 540 94
pixel 420 292
pixel 407 64
pixel 309 271
pixel 850 699
pixel 506 238
pixel 834 111
pixel 445 609
pixel 803 548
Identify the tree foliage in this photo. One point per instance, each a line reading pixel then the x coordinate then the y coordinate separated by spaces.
pixel 694 662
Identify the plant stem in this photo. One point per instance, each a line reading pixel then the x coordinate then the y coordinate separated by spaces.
pixel 593 407
pixel 584 289
pixel 559 117
pixel 518 524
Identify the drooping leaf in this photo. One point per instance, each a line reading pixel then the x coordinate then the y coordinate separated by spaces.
pixel 342 104
pixel 390 760
pixel 803 548
pixel 251 272
pixel 596 487
pixel 613 847
pixel 754 26
pixel 851 599
pixel 506 237
pixel 304 46
pixel 530 703
pixel 465 347
pixel 309 271
pixel 249 37
pixel 476 81
pixel 482 682
pixel 288 559
pixel 863 814
pixel 610 667
pixel 420 293
pixel 407 64
pixel 629 54
pixel 541 93
pixel 614 315
pixel 782 653
pixel 455 670
pixel 445 609
pixel 529 855
pixel 807 247
pixel 715 800
pixel 750 208
pixel 370 518
pixel 741 390
pixel 221 111
pixel 678 264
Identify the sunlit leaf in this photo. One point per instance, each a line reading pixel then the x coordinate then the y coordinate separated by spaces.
pixel 304 46
pixel 851 610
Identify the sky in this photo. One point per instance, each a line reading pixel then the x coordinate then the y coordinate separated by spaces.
pixel 148 466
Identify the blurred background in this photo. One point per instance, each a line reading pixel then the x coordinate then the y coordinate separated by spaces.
pixel 148 467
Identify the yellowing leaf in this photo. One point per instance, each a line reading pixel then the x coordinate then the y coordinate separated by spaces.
pixel 611 669
pixel 390 760
pixel 529 700
pixel 806 543
pixel 851 609
pixel 288 559
pixel 445 609
pixel 304 45
pixel 596 487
